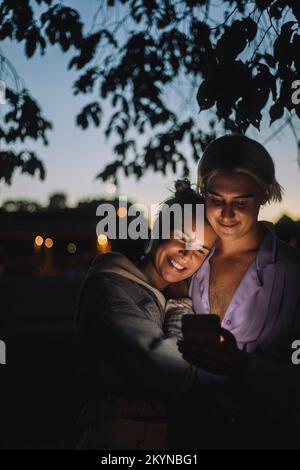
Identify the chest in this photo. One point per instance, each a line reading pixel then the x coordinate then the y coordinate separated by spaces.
pixel 226 275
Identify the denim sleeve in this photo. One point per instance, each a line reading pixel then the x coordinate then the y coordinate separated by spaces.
pixel 176 309
pixel 133 342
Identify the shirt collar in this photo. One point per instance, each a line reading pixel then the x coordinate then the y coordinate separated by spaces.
pixel 267 252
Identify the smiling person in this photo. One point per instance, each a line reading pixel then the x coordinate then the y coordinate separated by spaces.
pixel 130 365
pixel 251 281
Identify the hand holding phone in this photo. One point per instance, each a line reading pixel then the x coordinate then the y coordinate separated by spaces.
pixel 201 329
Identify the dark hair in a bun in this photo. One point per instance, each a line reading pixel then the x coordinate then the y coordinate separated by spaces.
pixel 183 194
pixel 183 187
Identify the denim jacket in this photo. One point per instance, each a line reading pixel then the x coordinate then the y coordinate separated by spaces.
pixel 123 347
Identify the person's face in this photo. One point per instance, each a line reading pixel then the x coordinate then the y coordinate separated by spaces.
pixel 232 204
pixel 174 262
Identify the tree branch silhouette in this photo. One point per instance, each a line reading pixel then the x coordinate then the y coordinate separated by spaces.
pixel 232 72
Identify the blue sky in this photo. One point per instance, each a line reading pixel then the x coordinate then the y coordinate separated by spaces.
pixel 74 157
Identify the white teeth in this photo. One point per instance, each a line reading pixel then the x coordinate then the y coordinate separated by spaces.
pixel 177 266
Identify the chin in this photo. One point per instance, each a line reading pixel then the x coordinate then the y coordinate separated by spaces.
pixel 229 234
pixel 227 231
pixel 172 278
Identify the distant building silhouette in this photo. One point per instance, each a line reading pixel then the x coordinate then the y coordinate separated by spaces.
pixel 59 240
pixel 56 240
pixel 288 231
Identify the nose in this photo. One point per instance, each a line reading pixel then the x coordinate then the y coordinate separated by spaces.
pixel 184 254
pixel 227 211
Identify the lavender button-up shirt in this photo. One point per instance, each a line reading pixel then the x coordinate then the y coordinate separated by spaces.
pixel 254 308
pixel 264 317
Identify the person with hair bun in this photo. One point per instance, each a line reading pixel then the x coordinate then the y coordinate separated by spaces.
pixel 251 281
pixel 130 365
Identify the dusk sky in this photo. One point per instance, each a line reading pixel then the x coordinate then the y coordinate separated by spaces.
pixel 74 157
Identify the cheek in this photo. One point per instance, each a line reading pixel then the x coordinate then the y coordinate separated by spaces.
pixel 159 258
pixel 164 265
pixel 212 213
pixel 212 209
pixel 195 265
pixel 248 216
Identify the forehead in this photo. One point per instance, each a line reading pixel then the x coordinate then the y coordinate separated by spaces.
pixel 197 237
pixel 193 233
pixel 189 220
pixel 233 184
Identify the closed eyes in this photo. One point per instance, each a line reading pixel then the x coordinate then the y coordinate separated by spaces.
pixel 219 202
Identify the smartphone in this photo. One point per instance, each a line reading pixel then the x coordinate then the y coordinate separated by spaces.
pixel 201 328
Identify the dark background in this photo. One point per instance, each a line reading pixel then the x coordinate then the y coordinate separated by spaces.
pixel 40 398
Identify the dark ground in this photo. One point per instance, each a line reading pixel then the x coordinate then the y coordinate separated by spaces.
pixel 39 395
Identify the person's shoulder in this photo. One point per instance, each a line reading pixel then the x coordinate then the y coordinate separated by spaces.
pixel 290 254
pixel 109 257
pixel 106 264
pixel 111 287
pixel 284 251
pixel 103 271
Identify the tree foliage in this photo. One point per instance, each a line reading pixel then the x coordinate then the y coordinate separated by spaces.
pixel 240 66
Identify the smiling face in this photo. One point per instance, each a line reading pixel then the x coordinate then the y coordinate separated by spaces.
pixel 232 204
pixel 174 261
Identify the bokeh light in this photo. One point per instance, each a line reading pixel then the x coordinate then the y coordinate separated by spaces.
pixel 72 248
pixel 102 240
pixel 122 212
pixel 49 243
pixel 38 241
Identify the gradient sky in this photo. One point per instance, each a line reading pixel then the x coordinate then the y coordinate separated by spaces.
pixel 74 157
